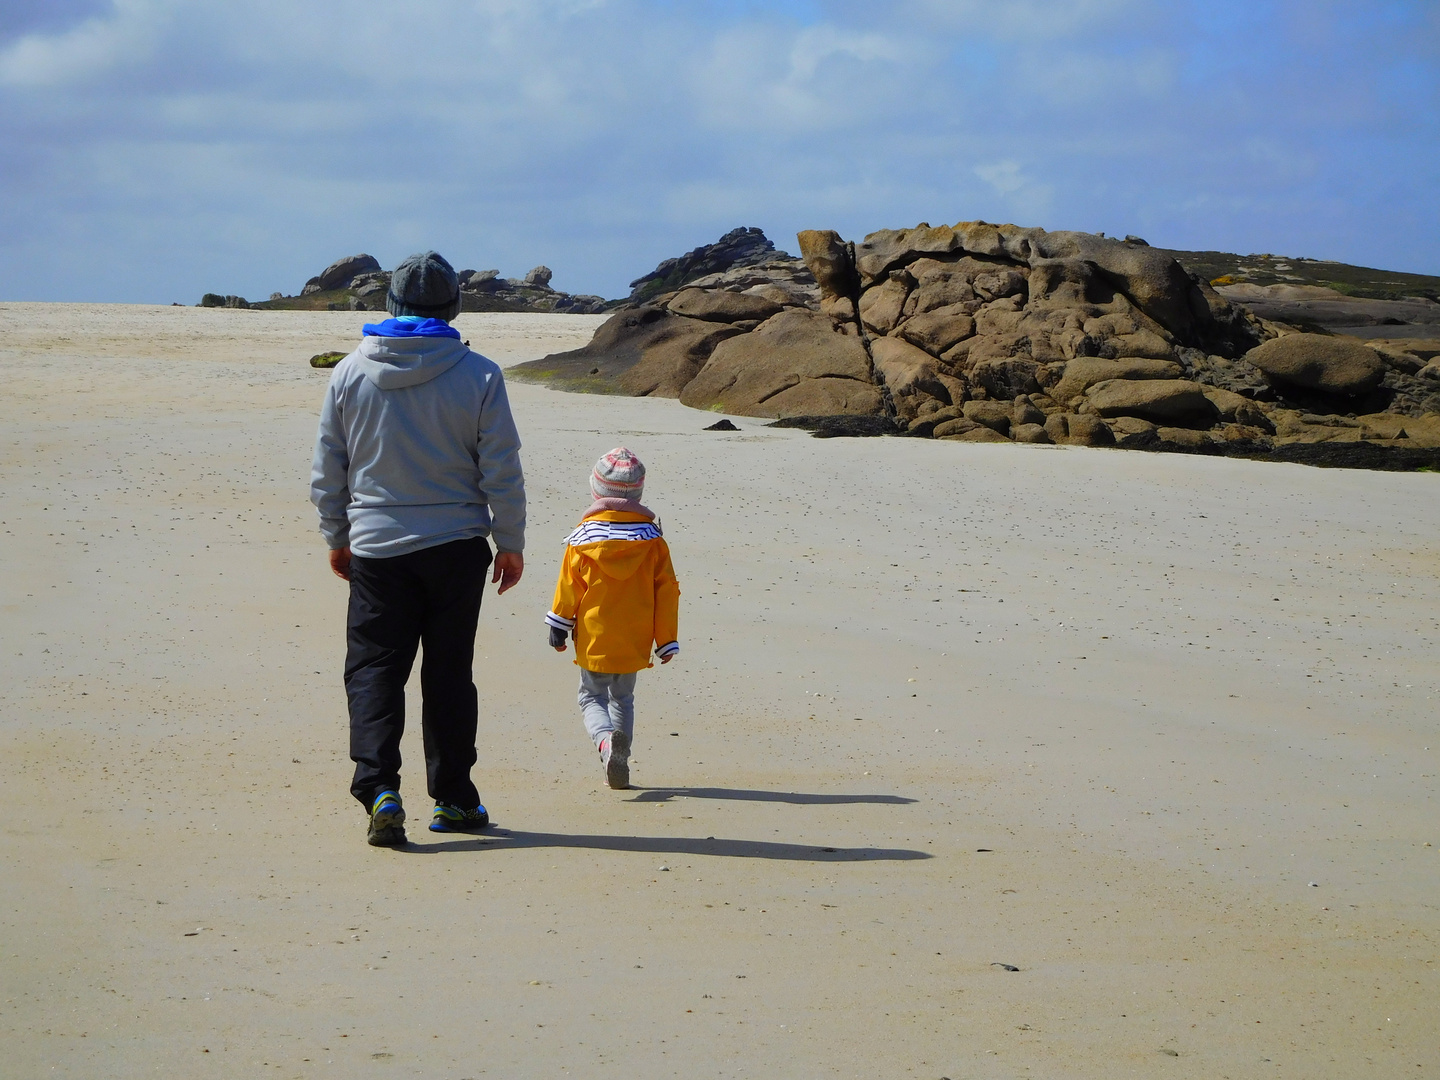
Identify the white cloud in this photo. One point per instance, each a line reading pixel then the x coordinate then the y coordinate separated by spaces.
pixel 1026 197
pixel 86 53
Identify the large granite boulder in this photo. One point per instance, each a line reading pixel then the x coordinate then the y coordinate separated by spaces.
pixel 1317 362
pixel 642 352
pixel 1162 401
pixel 911 375
pixel 795 364
pixel 720 305
pixel 1078 375
pixel 340 273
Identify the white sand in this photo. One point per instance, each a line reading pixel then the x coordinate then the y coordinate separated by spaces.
pixel 1168 693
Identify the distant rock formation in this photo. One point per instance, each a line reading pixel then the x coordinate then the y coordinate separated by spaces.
pixel 341 273
pixel 737 248
pixel 986 333
pixel 486 290
pixel 357 283
pixel 1316 307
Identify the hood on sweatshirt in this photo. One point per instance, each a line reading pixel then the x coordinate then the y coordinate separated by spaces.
pixel 395 362
pixel 617 559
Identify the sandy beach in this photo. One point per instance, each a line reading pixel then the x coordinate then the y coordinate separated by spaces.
pixel 942 710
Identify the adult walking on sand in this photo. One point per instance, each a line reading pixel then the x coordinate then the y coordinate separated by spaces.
pixel 417 464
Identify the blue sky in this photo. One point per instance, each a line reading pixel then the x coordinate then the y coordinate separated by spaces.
pixel 152 150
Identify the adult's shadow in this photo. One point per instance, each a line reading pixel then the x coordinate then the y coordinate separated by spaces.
pixel 796 798
pixel 505 839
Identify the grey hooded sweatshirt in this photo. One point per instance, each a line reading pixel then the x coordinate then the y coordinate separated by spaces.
pixel 417 448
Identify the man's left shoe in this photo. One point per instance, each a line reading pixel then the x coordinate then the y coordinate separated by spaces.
pixel 449 818
pixel 387 821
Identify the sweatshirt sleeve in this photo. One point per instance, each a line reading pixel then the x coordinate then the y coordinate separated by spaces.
pixel 329 474
pixel 569 589
pixel 667 606
pixel 498 455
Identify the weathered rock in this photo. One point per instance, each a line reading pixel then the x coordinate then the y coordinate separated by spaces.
pixel 882 251
pixel 721 306
pixel 1176 438
pixel 341 272
pixel 909 373
pixel 794 364
pixel 1024 412
pixel 643 351
pixel 1084 372
pixel 1316 362
pixel 1075 429
pixel 1335 312
pixel 840 309
pixel 1006 378
pixel 1226 404
pixel 1030 433
pixel 925 424
pixel 539 277
pixel 1431 370
pixel 936 331
pixel 1131 432
pixel 211 299
pixel 832 262
pixel 979 433
pixel 995 415
pixel 738 247
pixel 1173 401
pixel 880 307
pixel 956 426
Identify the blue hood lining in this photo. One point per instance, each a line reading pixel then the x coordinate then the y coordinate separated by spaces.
pixel 409 328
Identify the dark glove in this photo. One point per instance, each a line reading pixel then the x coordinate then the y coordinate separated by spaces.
pixel 557 637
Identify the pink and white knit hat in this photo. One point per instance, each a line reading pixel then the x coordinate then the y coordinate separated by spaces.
pixel 618 475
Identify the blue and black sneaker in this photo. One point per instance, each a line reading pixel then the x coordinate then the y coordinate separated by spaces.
pixel 387 821
pixel 448 818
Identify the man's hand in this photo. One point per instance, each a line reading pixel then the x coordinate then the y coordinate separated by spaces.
pixel 340 562
pixel 509 565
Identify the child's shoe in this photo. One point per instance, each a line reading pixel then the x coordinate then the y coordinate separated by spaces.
pixel 387 821
pixel 615 756
pixel 449 818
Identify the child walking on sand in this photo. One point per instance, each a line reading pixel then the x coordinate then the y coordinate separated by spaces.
pixel 617 595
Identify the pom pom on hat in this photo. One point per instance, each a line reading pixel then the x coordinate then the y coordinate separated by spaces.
pixel 618 475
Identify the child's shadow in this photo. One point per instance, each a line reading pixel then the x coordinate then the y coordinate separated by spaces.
pixel 494 839
pixel 798 798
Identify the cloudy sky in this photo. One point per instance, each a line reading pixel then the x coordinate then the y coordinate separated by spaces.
pixel 152 150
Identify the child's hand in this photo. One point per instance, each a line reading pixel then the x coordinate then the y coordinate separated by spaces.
pixel 667 659
pixel 557 639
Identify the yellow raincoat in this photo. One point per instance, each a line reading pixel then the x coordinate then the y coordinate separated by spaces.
pixel 617 593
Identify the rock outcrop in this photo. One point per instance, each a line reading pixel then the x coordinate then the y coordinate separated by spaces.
pixel 341 273
pixel 993 333
pixel 737 248
pixel 486 290
pixel 211 299
pixel 1319 308
pixel 357 283
pixel 661 345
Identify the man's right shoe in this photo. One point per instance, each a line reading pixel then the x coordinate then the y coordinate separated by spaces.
pixel 387 821
pixel 615 756
pixel 450 818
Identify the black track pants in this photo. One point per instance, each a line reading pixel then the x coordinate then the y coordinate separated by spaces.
pixel 429 597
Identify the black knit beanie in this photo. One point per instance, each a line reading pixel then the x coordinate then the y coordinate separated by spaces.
pixel 424 285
